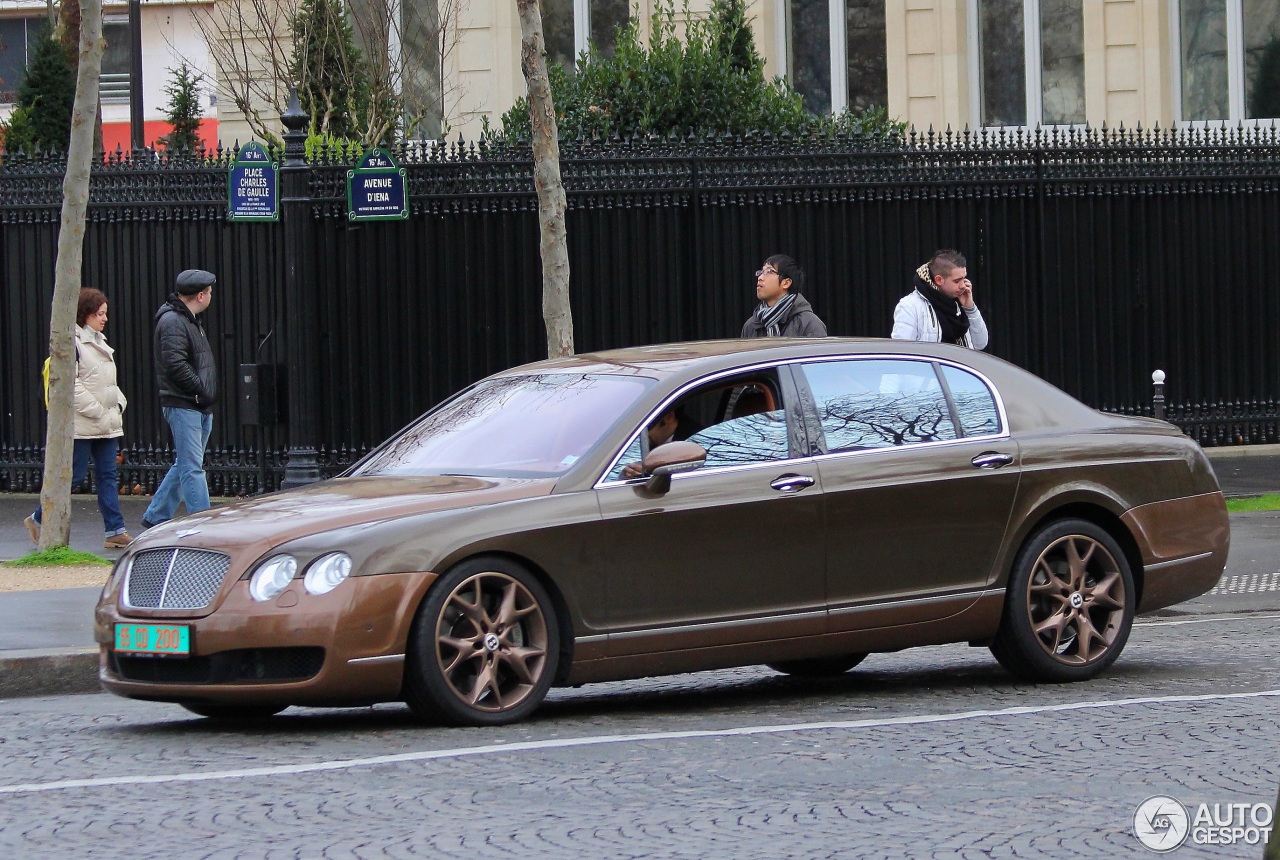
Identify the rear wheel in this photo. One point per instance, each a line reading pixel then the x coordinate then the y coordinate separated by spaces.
pixel 1069 605
pixel 818 667
pixel 235 713
pixel 484 646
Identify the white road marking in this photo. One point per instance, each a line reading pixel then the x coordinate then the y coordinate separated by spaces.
pixel 599 740
pixel 1217 619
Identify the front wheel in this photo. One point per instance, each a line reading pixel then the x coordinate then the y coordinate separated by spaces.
pixel 1069 605
pixel 484 646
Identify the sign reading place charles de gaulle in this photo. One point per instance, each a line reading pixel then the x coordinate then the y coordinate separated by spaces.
pixel 252 189
pixel 376 189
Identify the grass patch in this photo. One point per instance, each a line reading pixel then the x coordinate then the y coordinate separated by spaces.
pixel 1269 502
pixel 59 556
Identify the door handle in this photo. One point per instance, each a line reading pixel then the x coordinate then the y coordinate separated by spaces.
pixel 791 483
pixel 992 460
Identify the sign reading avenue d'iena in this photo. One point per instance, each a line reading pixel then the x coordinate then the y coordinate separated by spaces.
pixel 252 189
pixel 376 189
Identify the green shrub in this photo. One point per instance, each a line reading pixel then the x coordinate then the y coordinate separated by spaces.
pixel 46 95
pixel 711 82
pixel 183 112
pixel 332 76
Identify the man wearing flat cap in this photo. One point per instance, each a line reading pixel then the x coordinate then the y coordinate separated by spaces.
pixel 188 382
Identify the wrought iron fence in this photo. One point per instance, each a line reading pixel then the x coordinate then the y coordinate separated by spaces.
pixel 1097 256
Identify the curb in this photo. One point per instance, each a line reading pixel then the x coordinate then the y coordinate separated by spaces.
pixel 1227 452
pixel 48 673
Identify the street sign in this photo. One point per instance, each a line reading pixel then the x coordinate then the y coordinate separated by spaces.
pixel 252 187
pixel 376 189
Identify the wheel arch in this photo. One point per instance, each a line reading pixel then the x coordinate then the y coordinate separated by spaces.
pixel 1101 516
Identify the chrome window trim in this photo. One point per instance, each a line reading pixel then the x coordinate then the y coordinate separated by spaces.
pixel 983 378
pixel 603 481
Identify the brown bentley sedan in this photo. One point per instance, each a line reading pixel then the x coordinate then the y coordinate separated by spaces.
pixel 800 504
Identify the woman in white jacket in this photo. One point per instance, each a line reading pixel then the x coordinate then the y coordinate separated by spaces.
pixel 940 307
pixel 99 422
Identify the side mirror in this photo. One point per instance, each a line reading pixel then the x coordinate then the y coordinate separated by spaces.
pixel 671 459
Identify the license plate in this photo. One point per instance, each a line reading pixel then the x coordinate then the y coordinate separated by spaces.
pixel 153 639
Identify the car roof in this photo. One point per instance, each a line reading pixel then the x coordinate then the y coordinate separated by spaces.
pixel 660 361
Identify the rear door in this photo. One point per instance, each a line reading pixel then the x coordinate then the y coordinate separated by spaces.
pixel 919 479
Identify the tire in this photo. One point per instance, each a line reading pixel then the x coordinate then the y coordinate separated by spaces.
pixel 236 713
pixel 818 667
pixel 484 647
pixel 1069 604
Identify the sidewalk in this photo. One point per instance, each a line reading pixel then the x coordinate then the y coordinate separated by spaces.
pixel 46 637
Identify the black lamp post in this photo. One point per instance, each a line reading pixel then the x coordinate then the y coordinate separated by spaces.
pixel 299 302
pixel 136 117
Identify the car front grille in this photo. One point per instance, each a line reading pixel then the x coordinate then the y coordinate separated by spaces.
pixel 175 578
pixel 243 666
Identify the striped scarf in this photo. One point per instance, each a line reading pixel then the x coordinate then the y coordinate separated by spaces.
pixel 770 318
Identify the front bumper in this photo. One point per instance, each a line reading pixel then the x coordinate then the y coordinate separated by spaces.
pixel 346 647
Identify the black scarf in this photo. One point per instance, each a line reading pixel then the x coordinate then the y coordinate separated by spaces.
pixel 953 322
pixel 770 318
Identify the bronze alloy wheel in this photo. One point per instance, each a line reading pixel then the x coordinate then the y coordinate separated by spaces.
pixel 491 651
pixel 1070 604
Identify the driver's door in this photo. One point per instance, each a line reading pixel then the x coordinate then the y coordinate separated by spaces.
pixel 731 553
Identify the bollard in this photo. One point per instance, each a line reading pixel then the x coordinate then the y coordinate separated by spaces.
pixel 1157 399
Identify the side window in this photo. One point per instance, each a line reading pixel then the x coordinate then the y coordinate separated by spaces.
pixel 756 438
pixel 975 404
pixel 738 421
pixel 879 403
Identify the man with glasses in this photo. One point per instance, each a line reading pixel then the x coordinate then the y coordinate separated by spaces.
pixel 782 311
pixel 188 382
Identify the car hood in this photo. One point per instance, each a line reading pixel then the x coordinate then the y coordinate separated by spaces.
pixel 338 503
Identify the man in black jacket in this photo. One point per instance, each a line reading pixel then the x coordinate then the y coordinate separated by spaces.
pixel 188 382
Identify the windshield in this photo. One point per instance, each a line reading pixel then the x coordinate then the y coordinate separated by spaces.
pixel 514 426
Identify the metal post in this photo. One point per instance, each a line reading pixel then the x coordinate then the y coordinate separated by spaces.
pixel 300 320
pixel 1157 399
pixel 136 116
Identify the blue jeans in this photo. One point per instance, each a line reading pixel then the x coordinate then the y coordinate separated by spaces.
pixel 103 452
pixel 185 481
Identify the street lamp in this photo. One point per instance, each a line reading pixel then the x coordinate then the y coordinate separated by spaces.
pixel 136 119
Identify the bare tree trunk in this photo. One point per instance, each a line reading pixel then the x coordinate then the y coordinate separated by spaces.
pixel 546 179
pixel 55 496
pixel 69 35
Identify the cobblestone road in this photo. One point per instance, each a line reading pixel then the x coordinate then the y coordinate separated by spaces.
pixel 926 753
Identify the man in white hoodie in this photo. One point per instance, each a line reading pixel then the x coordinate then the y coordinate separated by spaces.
pixel 940 306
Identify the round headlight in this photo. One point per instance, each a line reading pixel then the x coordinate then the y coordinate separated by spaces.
pixel 272 577
pixel 327 572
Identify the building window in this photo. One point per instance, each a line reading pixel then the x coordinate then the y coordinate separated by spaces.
pixel 1028 63
pixel 570 26
pixel 867 76
pixel 19 38
pixel 809 52
pixel 835 51
pixel 113 86
pixel 1229 59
